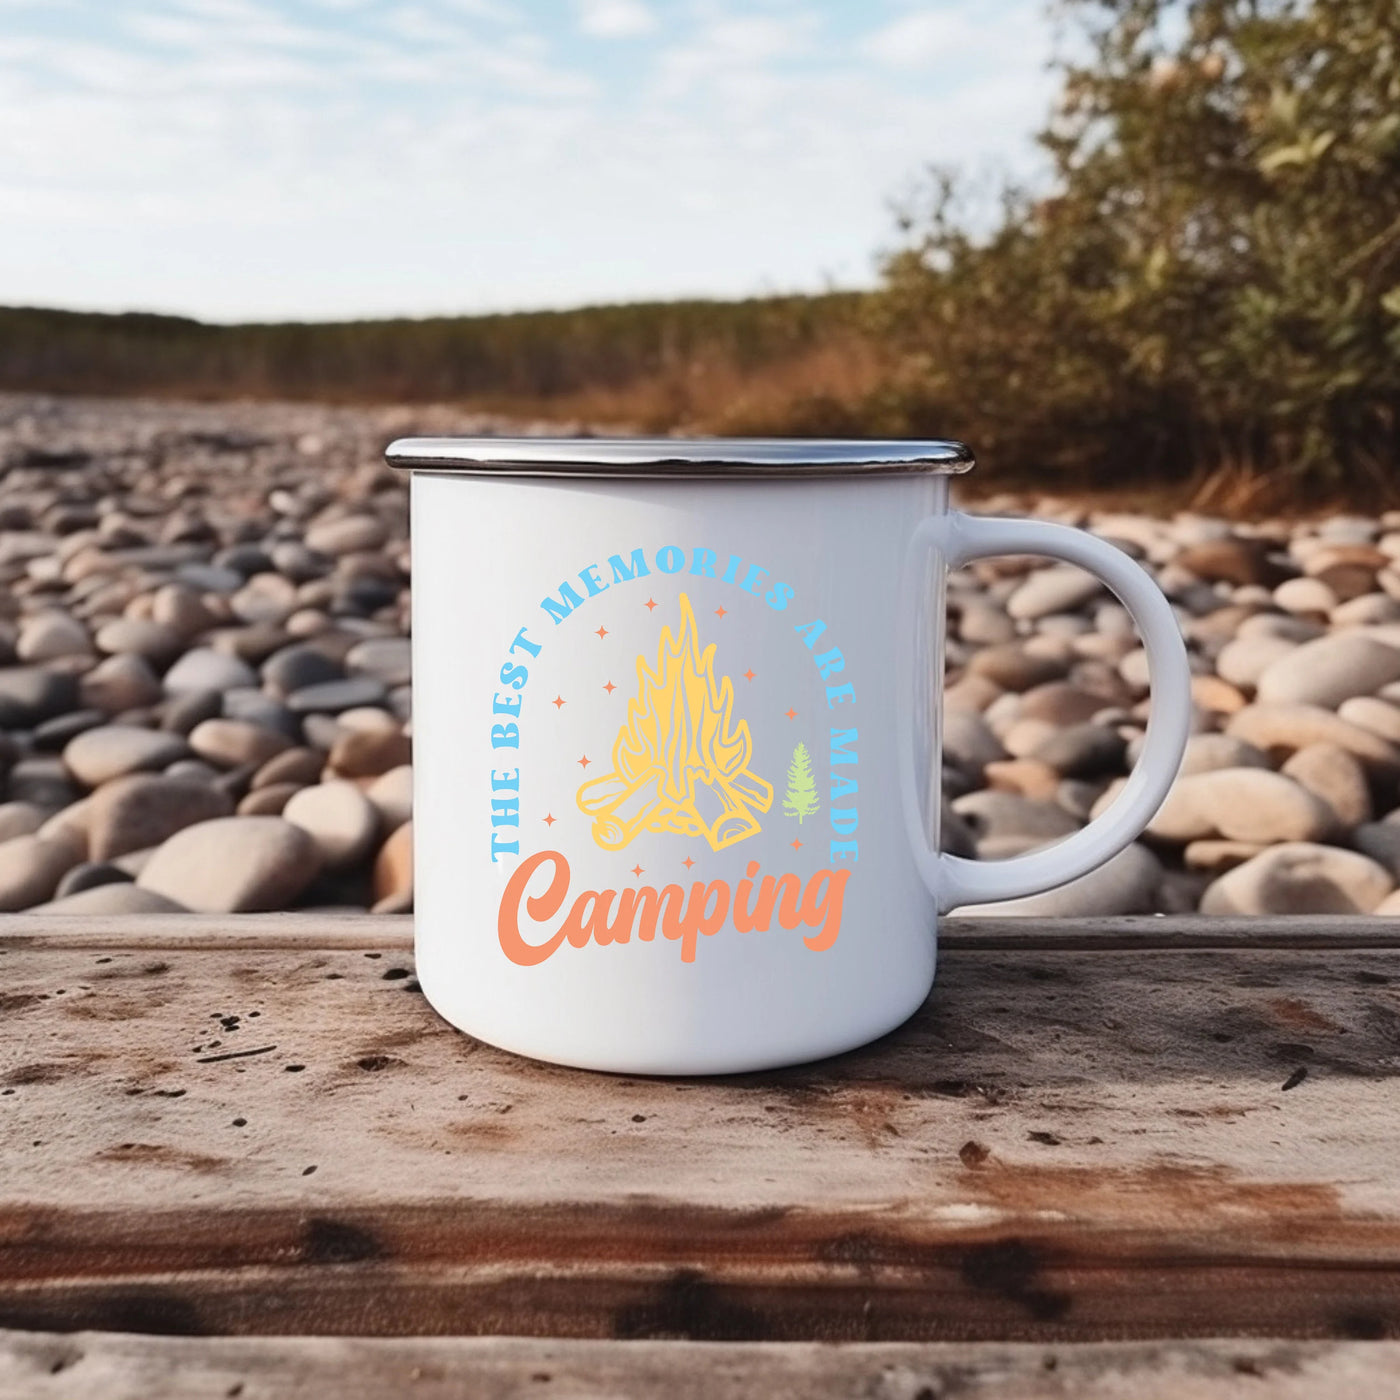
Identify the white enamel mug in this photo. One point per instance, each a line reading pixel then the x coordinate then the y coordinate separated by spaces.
pixel 677 741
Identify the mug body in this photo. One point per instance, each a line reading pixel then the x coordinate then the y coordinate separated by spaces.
pixel 659 729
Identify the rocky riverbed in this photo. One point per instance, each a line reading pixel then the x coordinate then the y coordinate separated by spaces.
pixel 205 697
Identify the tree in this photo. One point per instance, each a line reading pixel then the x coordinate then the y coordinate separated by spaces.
pixel 801 800
pixel 1212 278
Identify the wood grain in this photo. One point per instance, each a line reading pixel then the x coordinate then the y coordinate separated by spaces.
pixel 395 931
pixel 1063 1144
pixel 121 1367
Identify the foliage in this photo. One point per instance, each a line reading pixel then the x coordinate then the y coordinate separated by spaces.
pixel 1215 276
pixel 657 365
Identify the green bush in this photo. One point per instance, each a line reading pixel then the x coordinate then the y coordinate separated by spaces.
pixel 1213 281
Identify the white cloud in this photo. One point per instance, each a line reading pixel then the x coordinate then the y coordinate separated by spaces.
pixel 733 55
pixel 921 37
pixel 424 156
pixel 615 19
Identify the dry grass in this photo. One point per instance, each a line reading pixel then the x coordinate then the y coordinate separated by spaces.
pixel 821 389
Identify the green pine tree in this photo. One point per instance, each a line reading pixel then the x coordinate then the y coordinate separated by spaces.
pixel 801 800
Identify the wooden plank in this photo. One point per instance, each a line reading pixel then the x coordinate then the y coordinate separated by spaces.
pixel 119 1367
pixel 1059 1146
pixel 395 932
pixel 203 932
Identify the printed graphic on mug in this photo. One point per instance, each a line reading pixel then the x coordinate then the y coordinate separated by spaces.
pixel 684 697
pixel 681 761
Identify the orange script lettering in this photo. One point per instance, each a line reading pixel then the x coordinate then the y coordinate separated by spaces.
pixel 608 916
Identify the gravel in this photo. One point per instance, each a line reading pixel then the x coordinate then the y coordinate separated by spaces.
pixel 205 680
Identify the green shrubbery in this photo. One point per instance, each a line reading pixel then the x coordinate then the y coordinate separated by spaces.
pixel 1212 285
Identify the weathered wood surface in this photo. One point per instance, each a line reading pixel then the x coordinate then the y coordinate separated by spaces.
pixel 120 1367
pixel 395 931
pixel 270 1132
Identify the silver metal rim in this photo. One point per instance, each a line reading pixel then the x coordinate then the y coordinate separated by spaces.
pixel 673 458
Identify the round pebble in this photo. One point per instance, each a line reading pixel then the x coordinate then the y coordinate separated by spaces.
pixel 296 667
pixel 140 811
pixel 968 741
pixel 114 899
pixel 1053 590
pixel 29 695
pixel 30 869
pixel 1283 729
pixel 299 766
pixel 364 753
pixel 181 713
pixel 231 743
pixel 51 635
pixel 1229 561
pixel 20 819
pixel 1379 716
pixel 181 609
pixel 1329 670
pixel 392 796
pixel 1300 879
pixel 90 876
pixel 111 751
pixel 1242 804
pixel 119 683
pixel 330 697
pixel 1242 661
pixel 1026 776
pixel 153 640
pixel 1082 751
pixel 348 535
pixel 393 873
pixel 52 735
pixel 234 865
pixel 267 801
pixel 992 815
pixel 1330 773
pixel 339 818
pixel 1012 667
pixel 207 669
pixel 1305 595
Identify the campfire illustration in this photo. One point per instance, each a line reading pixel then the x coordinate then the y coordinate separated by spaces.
pixel 680 762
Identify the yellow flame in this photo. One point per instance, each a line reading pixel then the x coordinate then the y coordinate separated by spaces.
pixel 680 762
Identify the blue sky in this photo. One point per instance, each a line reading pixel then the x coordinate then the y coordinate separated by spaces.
pixel 267 159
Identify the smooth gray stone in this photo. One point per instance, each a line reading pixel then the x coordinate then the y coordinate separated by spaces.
pixel 331 697
pixel 53 735
pixel 30 694
pixel 90 875
pixel 207 669
pixel 297 667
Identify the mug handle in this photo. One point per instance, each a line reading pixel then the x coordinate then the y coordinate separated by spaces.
pixel 954 880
